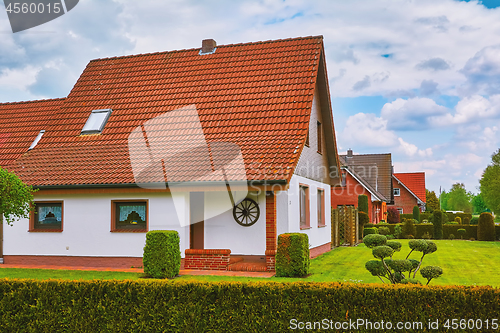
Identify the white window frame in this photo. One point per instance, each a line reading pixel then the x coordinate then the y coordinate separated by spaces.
pixel 398 190
pixel 89 121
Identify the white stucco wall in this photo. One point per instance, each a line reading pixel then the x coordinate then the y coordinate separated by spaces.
pixel 86 228
pixel 223 232
pixel 317 235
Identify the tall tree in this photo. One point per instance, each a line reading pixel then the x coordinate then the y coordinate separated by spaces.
pixel 478 205
pixel 459 199
pixel 443 200
pixel 490 183
pixel 432 202
pixel 15 197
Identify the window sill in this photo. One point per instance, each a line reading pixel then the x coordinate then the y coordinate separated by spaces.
pixel 320 153
pixel 321 225
pixel 305 228
pixel 133 231
pixel 46 230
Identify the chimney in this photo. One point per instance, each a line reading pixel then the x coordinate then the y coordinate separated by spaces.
pixel 349 152
pixel 208 46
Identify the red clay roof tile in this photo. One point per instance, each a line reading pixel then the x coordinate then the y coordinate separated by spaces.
pixel 256 95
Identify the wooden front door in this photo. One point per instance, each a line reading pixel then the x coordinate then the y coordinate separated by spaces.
pixel 196 217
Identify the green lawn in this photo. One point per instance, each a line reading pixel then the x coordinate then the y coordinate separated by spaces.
pixel 463 263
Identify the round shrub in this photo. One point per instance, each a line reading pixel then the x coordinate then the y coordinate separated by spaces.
pixel 375 267
pixel 408 228
pixel 384 231
pixel 395 245
pixel 486 227
pixel 451 236
pixel 431 272
pixel 369 231
pixel 410 281
pixel 382 252
pixel 162 256
pixel 425 221
pixel 461 232
pixel 374 240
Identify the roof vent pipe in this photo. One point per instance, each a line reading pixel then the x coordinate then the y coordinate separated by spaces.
pixel 208 46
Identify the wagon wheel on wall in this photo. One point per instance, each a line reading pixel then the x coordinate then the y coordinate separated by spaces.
pixel 246 213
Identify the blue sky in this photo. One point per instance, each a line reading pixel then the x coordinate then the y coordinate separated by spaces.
pixel 419 79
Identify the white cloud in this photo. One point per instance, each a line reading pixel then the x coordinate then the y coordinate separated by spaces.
pixel 411 150
pixel 483 71
pixel 412 114
pixel 367 130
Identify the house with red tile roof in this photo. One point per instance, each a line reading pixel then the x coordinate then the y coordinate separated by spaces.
pixel 409 191
pixel 368 174
pixel 229 145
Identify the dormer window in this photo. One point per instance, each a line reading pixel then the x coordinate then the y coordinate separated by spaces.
pixel 38 137
pixel 96 122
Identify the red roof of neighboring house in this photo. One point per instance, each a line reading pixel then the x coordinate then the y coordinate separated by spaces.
pixel 415 181
pixel 255 95
pixel 20 124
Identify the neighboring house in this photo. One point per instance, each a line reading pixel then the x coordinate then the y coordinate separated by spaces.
pixel 409 191
pixel 368 174
pixel 229 145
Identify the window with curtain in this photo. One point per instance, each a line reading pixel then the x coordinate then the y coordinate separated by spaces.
pixel 130 216
pixel 47 216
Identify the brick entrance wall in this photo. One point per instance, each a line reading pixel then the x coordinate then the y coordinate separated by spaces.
pixel 271 231
pixel 204 259
pixel 72 261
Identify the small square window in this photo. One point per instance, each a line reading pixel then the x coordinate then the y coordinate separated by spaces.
pixel 96 122
pixel 47 216
pixel 400 210
pixel 131 216
pixel 397 192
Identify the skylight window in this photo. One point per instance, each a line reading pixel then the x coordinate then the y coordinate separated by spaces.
pixel 96 122
pixel 38 137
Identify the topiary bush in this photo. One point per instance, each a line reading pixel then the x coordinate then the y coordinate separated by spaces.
pixel 369 231
pixel 384 231
pixel 392 215
pixel 461 232
pixel 486 227
pixel 458 220
pixel 363 203
pixel 409 228
pixel 416 213
pixel 162 256
pixel 451 236
pixel 292 256
pixel 466 221
pixel 437 221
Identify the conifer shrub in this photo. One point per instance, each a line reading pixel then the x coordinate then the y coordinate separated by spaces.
pixel 162 255
pixel 486 227
pixel 292 256
pixel 416 213
pixel 409 228
pixel 437 221
pixel 363 203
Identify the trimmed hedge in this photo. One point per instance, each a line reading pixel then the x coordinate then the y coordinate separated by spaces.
pixel 363 203
pixel 162 255
pixel 292 257
pixel 187 306
pixel 486 227
pixel 416 213
pixel 369 231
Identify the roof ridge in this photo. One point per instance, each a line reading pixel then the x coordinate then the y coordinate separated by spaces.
pixel 34 101
pixel 218 46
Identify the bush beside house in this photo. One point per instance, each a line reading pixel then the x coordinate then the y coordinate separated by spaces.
pixel 162 255
pixel 292 256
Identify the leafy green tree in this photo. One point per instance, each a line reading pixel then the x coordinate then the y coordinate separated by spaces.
pixel 490 183
pixel 432 202
pixel 443 200
pixel 478 204
pixel 459 199
pixel 15 197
